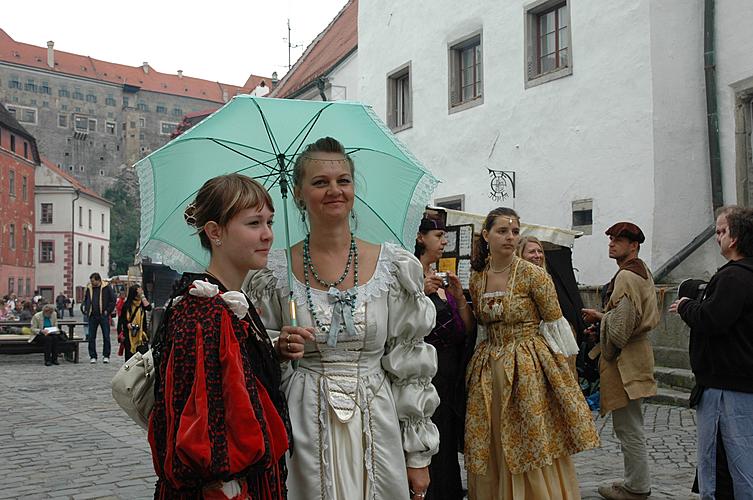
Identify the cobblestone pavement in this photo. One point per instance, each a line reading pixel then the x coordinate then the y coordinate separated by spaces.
pixel 63 436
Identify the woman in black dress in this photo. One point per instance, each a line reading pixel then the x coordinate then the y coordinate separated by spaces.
pixel 454 321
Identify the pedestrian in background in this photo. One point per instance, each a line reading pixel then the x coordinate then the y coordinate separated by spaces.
pixel 626 365
pixel 44 325
pixel 721 357
pixel 60 302
pixel 98 305
pixel 526 415
pixel 132 323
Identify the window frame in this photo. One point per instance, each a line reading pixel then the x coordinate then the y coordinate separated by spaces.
pixel 46 213
pixel 76 128
pixel 50 257
pixel 533 12
pixel 455 49
pixel 19 112
pixel 396 82
pixel 162 127
pixel 451 202
pixel 582 205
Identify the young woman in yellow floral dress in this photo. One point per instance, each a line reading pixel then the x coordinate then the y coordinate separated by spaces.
pixel 526 414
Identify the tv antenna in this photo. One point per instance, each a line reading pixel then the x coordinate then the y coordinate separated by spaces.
pixel 290 46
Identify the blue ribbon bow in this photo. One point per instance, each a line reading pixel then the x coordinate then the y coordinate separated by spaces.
pixel 342 314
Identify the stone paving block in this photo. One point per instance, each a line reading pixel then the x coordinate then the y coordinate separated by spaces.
pixel 94 451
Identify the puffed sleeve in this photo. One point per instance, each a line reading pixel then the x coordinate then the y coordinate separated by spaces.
pixel 268 290
pixel 261 287
pixel 554 327
pixel 410 362
pixel 269 297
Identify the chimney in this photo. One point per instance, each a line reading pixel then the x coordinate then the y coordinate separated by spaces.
pixel 274 81
pixel 180 73
pixel 145 67
pixel 51 54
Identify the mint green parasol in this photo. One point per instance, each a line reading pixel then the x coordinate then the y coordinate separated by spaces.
pixel 261 138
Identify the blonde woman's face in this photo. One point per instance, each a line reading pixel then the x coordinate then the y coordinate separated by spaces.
pixel 533 253
pixel 327 189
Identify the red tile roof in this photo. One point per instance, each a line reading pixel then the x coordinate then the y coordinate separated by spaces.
pixel 338 40
pixel 74 182
pixel 151 80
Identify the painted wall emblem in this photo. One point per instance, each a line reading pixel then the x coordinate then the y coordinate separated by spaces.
pixel 502 184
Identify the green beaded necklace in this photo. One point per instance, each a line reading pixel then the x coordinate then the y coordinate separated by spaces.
pixel 308 267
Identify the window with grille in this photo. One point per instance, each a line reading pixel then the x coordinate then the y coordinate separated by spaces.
pixel 81 124
pixel 548 42
pixel 167 128
pixel 466 72
pixel 46 213
pixel 46 251
pixel 400 114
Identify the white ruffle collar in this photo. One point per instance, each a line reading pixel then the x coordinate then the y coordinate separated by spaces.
pixel 384 276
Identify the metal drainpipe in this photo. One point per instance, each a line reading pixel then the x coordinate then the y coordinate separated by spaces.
pixel 73 244
pixel 712 129
pixel 320 82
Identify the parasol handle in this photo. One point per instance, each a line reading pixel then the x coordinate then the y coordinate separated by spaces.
pixel 293 320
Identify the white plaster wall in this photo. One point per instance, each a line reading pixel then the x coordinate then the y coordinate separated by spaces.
pixel 681 159
pixel 734 66
pixel 344 80
pixel 589 135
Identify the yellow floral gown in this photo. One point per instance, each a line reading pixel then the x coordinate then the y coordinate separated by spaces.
pixel 526 414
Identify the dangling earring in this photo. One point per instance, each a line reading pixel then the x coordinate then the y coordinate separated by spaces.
pixel 218 242
pixel 354 219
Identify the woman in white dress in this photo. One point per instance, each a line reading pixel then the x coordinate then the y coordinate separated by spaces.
pixel 361 397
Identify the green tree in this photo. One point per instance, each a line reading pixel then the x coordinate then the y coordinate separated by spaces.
pixel 124 227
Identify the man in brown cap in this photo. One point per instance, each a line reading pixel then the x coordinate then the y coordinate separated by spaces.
pixel 626 365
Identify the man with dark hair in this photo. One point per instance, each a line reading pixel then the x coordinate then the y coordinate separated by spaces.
pixel 721 357
pixel 60 302
pixel 626 365
pixel 99 302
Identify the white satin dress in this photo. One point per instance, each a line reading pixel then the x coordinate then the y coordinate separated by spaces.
pixel 360 409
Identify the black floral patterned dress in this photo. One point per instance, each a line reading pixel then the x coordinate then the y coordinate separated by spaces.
pixel 219 415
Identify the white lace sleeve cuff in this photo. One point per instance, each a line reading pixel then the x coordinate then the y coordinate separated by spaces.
pixel 559 336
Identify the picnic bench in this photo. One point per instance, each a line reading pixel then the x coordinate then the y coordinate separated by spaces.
pixel 14 343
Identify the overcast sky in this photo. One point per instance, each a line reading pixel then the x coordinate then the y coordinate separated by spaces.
pixel 224 41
